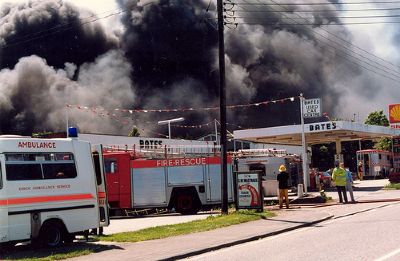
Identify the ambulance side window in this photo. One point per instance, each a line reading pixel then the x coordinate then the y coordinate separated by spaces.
pixel 34 166
pixel 18 171
pixel 97 167
pixel 1 179
pixel 59 170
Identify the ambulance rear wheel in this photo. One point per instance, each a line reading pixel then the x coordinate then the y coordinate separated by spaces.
pixel 51 234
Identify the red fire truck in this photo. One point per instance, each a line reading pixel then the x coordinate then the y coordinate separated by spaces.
pixel 186 183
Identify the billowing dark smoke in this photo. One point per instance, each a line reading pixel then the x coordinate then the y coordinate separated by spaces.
pixel 47 68
pixel 166 57
pixel 53 30
pixel 172 45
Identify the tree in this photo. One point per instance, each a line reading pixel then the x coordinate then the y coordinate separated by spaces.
pixel 377 118
pixel 134 132
pixel 380 119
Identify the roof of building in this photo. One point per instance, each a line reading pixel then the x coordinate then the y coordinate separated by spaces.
pixel 316 133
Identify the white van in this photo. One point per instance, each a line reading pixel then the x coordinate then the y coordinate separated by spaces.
pixel 49 190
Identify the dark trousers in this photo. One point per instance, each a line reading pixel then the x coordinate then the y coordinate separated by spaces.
pixel 342 190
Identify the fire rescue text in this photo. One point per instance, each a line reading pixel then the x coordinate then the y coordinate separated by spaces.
pixel 181 162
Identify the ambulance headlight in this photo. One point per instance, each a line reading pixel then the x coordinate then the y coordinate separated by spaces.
pixel 72 132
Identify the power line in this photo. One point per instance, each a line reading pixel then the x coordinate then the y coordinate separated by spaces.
pixel 315 24
pixel 317 10
pixel 313 4
pixel 329 17
pixel 345 56
pixel 351 44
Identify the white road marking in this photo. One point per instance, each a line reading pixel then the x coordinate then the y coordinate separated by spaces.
pixel 385 257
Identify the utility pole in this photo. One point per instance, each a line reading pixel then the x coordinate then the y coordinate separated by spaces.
pixel 303 145
pixel 222 107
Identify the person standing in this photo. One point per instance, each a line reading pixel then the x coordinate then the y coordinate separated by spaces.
pixel 349 182
pixel 283 178
pixel 339 177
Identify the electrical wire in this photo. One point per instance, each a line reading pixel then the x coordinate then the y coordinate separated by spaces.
pixel 332 17
pixel 353 45
pixel 296 23
pixel 318 10
pixel 313 4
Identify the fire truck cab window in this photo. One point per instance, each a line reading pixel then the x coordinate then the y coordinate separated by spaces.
pixel 110 165
pixel 34 166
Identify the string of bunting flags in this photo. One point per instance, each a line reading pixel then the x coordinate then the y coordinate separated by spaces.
pixel 114 114
pixel 131 111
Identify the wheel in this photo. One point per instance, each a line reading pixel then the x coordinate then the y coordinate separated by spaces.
pixel 185 204
pixel 51 234
pixel 69 238
pixel 5 247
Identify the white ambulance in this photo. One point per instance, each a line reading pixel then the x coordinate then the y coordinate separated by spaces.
pixel 50 190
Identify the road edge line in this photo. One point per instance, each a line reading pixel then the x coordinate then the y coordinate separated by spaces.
pixel 246 240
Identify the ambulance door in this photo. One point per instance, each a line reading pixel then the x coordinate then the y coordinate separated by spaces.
pixel 3 204
pixel 101 185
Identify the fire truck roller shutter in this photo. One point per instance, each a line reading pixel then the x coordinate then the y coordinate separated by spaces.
pixel 185 200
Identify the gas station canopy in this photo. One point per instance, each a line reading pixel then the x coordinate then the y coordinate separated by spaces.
pixel 316 133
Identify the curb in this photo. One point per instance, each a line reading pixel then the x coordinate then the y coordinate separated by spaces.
pixel 241 241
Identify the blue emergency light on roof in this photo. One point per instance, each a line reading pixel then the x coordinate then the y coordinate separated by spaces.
pixel 72 132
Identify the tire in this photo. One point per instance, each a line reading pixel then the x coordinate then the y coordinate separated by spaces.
pixel 185 204
pixel 51 234
pixel 69 238
pixel 6 247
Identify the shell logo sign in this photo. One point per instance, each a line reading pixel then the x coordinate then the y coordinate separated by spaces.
pixel 394 113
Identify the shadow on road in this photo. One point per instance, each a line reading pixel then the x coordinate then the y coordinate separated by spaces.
pixel 28 251
pixel 376 188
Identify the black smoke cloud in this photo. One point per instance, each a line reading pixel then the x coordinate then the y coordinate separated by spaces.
pixel 53 30
pixel 45 69
pixel 166 57
pixel 172 46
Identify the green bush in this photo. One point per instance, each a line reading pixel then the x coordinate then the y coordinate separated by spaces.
pixel 394 177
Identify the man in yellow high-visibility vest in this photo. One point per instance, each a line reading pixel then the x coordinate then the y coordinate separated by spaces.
pixel 339 177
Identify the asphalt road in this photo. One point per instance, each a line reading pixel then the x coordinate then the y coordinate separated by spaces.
pixel 368 235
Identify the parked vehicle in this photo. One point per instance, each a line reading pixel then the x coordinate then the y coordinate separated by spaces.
pixel 50 190
pixel 149 180
pixel 326 178
pixel 373 163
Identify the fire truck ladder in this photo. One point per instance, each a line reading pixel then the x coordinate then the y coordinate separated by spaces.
pixel 177 151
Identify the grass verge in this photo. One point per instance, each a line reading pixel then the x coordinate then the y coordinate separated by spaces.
pixel 210 223
pixel 27 252
pixel 393 186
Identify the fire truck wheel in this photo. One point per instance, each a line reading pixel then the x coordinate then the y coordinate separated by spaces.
pixel 51 234
pixel 185 204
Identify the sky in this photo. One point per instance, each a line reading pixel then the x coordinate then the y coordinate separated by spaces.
pixel 261 64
